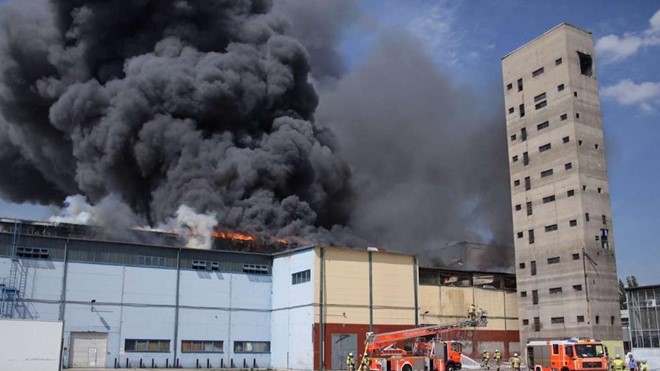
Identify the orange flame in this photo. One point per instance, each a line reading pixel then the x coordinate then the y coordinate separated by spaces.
pixel 233 236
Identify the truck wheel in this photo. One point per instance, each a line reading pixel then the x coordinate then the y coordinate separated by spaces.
pixel 564 369
pixel 406 368
pixel 451 367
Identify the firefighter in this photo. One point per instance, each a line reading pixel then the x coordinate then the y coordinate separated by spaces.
pixel 644 366
pixel 485 358
pixel 350 362
pixel 515 362
pixel 617 364
pixel 498 359
pixel 472 312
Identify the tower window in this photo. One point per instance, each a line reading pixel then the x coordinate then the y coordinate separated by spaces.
pixel 530 233
pixel 586 216
pixel 558 61
pixel 542 125
pixel 548 199
pixel 545 147
pixel 568 166
pixel 518 207
pixel 511 109
pixel 546 173
pixel 509 86
pixel 560 87
pixel 557 320
pixel 566 139
pixel 563 117
pixel 539 97
pixel 513 137
pixel 520 235
pixel 537 324
pixel 580 319
pixel 570 193
pixel 523 134
pixel 573 223
pixel 576 256
pixel 529 208
pixel 550 228
pixel 575 94
pixel 532 267
pixel 537 72
pixel 516 182
pixel 521 266
pixel 514 158
pixel 528 183
pixel 553 260
pixel 520 85
pixel 525 158
pixel 521 110
pixel 535 296
pixel 577 287
pixel 555 290
pixel 586 64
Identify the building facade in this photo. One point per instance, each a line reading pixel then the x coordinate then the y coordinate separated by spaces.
pixel 136 304
pixel 644 323
pixel 565 262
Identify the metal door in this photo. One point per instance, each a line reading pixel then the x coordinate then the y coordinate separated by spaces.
pixel 88 349
pixel 342 344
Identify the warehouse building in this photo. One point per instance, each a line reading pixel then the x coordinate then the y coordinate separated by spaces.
pixel 127 304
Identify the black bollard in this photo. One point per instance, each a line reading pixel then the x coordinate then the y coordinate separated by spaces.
pixel 222 363
pixel 254 362
pixel 208 363
pixel 116 365
pixel 167 363
pixel 197 363
pixel 141 365
pixel 244 363
pixel 126 362
pixel 152 363
pixel 231 360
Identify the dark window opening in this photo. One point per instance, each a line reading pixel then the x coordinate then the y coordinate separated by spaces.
pixel 532 267
pixel 553 260
pixel 513 137
pixel 586 64
pixel 523 294
pixel 545 147
pixel 521 266
pixel 576 256
pixel 563 117
pixel 514 158
pixel 529 208
pixel 520 85
pixel 575 94
pixel 546 173
pixel 600 190
pixel 537 72
pixel 604 233
pixel 537 324
pixel 550 228
pixel 525 158
pixel 560 87
pixel 147 345
pixel 577 287
pixel 577 115
pixel 528 183
pixel 580 142
pixel 300 277
pixel 521 109
pixel 518 207
pixel 555 290
pixel 570 193
pixel 525 322
pixel 566 139
pixel 557 321
pixel 604 219
pixel 572 223
pixel 32 252
pixel 597 319
pixel 542 125
pixel 586 216
pixel 548 199
pixel 520 235
pixel 539 97
pixel 511 109
pixel 541 104
pixel 568 166
pixel 596 146
pixel 530 234
pixel 580 319
pixel 612 320
pixel 516 182
pixel 558 61
pixel 535 297
pixel 523 134
pixel 509 86
pixel 584 187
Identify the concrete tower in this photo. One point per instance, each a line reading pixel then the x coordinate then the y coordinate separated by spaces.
pixel 565 264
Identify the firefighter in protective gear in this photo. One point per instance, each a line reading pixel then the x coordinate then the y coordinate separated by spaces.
pixel 644 366
pixel 498 358
pixel 618 364
pixel 350 362
pixel 515 362
pixel 472 312
pixel 485 358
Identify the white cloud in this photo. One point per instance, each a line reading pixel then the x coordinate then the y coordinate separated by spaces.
pixel 616 48
pixel 646 95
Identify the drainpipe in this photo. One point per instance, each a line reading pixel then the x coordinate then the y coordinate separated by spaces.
pixel 371 295
pixel 415 288
pixel 321 301
pixel 586 284
pixel 63 301
pixel 176 304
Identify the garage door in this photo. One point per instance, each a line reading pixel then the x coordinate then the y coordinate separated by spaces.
pixel 88 349
pixel 342 344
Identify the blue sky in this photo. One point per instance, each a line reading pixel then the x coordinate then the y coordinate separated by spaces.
pixel 468 39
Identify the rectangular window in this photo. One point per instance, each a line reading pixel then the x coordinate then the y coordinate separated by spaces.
pixel 32 252
pixel 525 158
pixel 555 290
pixel 563 117
pixel 147 345
pixel 545 147
pixel 513 137
pixel 528 183
pixel 557 61
pixel 577 115
pixel 199 264
pixel 535 296
pixel 612 323
pixel 586 216
pixel 255 268
pixel 597 319
pixel 514 158
pixel 555 348
pixel 577 287
pixel 529 208
pixel 300 277
pixel 530 233
pixel 604 219
pixel 576 256
pixel 575 94
pixel 202 346
pixel 550 228
pixel 560 87
pixel 520 85
pixel 516 182
pixel 521 265
pixel 511 109
pixel 518 207
pixel 568 166
pixel 537 72
pixel 509 86
pixel 543 125
pixel 525 322
pixel 600 190
pixel 580 319
pixel 570 193
pixel 557 321
pixel 554 260
pixel 521 110
pixel 548 199
pixel 586 64
pixel 519 234
pixel 546 173
pixel 523 294
pixel 152 261
pixel 572 223
pixel 537 324
pixel 523 134
pixel 252 347
pixel 541 104
pixel 532 267
pixel 566 139
pixel 539 97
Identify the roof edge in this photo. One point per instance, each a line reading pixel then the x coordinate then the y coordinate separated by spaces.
pixel 544 34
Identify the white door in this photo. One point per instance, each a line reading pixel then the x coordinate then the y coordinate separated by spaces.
pixel 88 349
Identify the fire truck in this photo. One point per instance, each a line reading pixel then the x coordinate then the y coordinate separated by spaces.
pixel 567 355
pixel 429 351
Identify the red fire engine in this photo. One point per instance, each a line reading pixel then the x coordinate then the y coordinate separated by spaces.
pixel 429 352
pixel 566 355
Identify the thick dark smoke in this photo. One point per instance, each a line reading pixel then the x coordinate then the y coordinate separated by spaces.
pixel 166 103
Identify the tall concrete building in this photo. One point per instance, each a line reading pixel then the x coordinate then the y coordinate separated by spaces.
pixel 565 263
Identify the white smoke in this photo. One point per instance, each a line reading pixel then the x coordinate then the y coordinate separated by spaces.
pixel 196 228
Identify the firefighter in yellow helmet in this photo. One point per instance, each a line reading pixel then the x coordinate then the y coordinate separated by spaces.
pixel 485 358
pixel 472 312
pixel 350 362
pixel 618 364
pixel 644 366
pixel 498 358
pixel 515 362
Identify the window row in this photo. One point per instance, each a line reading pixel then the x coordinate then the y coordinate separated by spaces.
pixel 32 252
pixel 551 291
pixel 559 321
pixel 538 72
pixel 553 260
pixel 152 261
pixel 194 346
pixel 300 277
pixel 541 126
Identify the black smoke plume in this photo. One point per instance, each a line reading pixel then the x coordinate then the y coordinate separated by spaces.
pixel 164 103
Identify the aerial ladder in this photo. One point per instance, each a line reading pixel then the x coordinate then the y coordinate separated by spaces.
pixel 435 354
